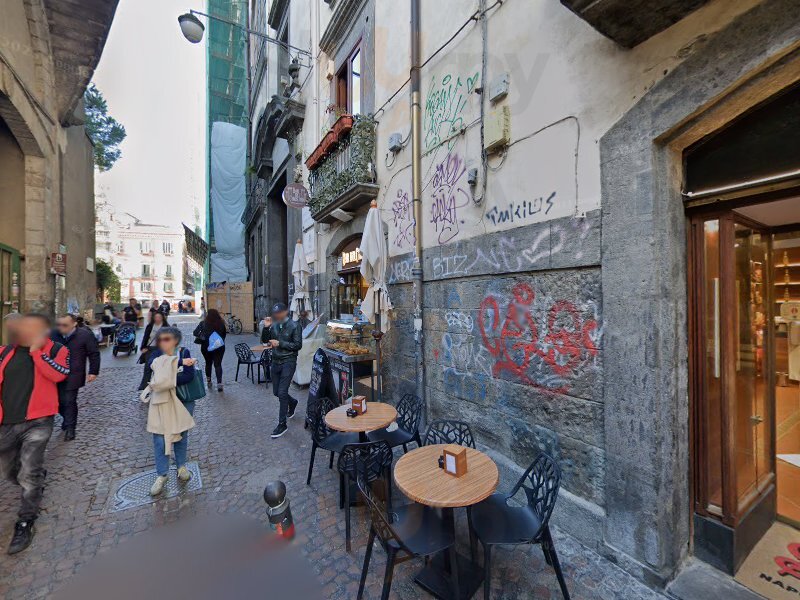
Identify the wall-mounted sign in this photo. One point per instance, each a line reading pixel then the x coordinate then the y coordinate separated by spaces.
pixel 295 195
pixel 58 263
pixel 351 258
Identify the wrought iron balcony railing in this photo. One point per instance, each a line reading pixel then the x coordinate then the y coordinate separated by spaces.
pixel 344 177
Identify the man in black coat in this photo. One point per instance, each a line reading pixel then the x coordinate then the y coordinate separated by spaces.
pixel 82 347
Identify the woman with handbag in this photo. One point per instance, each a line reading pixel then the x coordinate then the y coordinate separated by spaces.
pixel 210 334
pixel 171 392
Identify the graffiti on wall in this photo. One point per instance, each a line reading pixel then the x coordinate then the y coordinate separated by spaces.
pixel 509 256
pixel 444 107
pixel 541 352
pixel 520 212
pixel 403 220
pixel 449 194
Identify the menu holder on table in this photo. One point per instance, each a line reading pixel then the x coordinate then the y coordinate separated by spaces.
pixel 359 404
pixel 454 460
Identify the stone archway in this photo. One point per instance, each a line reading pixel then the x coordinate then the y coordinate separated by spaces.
pixel 648 501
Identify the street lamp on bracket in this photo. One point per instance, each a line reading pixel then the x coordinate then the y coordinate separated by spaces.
pixel 193 30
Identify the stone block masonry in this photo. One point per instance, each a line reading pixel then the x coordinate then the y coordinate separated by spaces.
pixel 513 345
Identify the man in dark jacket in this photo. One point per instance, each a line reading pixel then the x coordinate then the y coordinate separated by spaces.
pixel 285 338
pixel 30 367
pixel 82 346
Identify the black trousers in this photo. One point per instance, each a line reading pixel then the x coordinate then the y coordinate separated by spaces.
pixel 282 374
pixel 22 447
pixel 68 407
pixel 213 357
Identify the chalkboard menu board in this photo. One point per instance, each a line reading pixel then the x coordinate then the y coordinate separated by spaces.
pixel 320 386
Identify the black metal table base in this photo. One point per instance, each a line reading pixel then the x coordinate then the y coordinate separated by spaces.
pixel 435 577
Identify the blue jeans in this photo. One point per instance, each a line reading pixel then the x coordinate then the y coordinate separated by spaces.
pixel 178 449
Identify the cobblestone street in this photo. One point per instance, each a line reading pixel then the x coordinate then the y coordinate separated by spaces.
pixel 236 457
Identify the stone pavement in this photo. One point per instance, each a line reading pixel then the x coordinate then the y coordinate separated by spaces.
pixel 236 458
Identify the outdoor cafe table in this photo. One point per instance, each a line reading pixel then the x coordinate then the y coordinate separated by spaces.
pixel 378 416
pixel 419 477
pixel 258 349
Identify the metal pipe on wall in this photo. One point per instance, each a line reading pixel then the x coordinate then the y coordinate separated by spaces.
pixel 416 180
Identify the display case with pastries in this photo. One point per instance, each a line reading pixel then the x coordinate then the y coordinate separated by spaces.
pixel 349 337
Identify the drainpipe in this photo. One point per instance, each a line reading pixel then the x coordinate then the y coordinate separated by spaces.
pixel 416 180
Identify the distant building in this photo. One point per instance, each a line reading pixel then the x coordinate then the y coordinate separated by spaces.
pixel 147 258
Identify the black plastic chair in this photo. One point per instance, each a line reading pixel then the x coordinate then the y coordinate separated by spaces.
pixel 324 437
pixel 265 363
pixel 495 522
pixel 449 432
pixel 375 460
pixel 405 532
pixel 409 412
pixel 245 356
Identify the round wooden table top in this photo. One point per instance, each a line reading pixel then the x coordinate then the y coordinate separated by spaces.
pixel 419 477
pixel 258 349
pixel 378 415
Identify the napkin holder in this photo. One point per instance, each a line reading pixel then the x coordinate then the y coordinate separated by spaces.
pixel 359 404
pixel 454 460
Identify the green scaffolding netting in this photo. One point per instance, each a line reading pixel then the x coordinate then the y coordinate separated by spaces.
pixel 226 77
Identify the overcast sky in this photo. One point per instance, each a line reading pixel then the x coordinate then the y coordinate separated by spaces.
pixel 154 82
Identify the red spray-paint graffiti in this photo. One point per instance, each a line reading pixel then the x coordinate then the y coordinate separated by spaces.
pixel 567 344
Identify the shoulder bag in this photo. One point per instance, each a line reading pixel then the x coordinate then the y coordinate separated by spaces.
pixel 194 390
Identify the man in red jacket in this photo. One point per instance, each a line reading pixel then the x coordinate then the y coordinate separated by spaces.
pixel 30 367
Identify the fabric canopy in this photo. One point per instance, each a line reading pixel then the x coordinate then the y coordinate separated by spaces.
pixel 301 271
pixel 374 256
pixel 228 200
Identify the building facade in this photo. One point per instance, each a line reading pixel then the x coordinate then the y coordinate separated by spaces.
pixel 149 259
pixel 569 160
pixel 46 159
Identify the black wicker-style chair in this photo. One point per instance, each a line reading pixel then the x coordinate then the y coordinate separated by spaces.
pixel 265 363
pixel 449 432
pixel 375 460
pixel 494 521
pixel 324 437
pixel 405 532
pixel 409 412
pixel 245 356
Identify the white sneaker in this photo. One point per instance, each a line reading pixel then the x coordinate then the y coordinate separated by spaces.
pixel 184 474
pixel 158 485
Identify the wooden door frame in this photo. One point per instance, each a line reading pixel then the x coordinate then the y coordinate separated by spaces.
pixel 732 513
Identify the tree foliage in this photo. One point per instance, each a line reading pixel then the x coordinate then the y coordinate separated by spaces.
pixel 104 130
pixel 107 281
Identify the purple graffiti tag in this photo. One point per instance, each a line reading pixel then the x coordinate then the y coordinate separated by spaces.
pixel 448 196
pixel 403 217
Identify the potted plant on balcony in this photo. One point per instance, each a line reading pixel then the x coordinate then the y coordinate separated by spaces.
pixel 313 160
pixel 343 125
pixel 328 142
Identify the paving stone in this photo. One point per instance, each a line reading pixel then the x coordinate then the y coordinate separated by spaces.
pixel 236 457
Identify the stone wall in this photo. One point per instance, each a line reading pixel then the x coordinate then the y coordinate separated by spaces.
pixel 513 332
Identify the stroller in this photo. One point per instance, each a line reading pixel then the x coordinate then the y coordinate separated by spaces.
pixel 125 339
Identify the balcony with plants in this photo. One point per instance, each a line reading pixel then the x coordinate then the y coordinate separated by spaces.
pixel 342 168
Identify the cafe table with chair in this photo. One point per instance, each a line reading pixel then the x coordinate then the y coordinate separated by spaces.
pixel 445 474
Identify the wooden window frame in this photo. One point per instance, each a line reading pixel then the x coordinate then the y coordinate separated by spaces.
pixel 343 80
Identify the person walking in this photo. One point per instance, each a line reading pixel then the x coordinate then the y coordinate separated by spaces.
pixel 83 349
pixel 211 350
pixel 133 312
pixel 164 307
pixel 285 338
pixel 158 320
pixel 31 366
pixel 169 419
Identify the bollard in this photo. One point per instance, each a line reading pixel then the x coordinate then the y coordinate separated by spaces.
pixel 278 511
